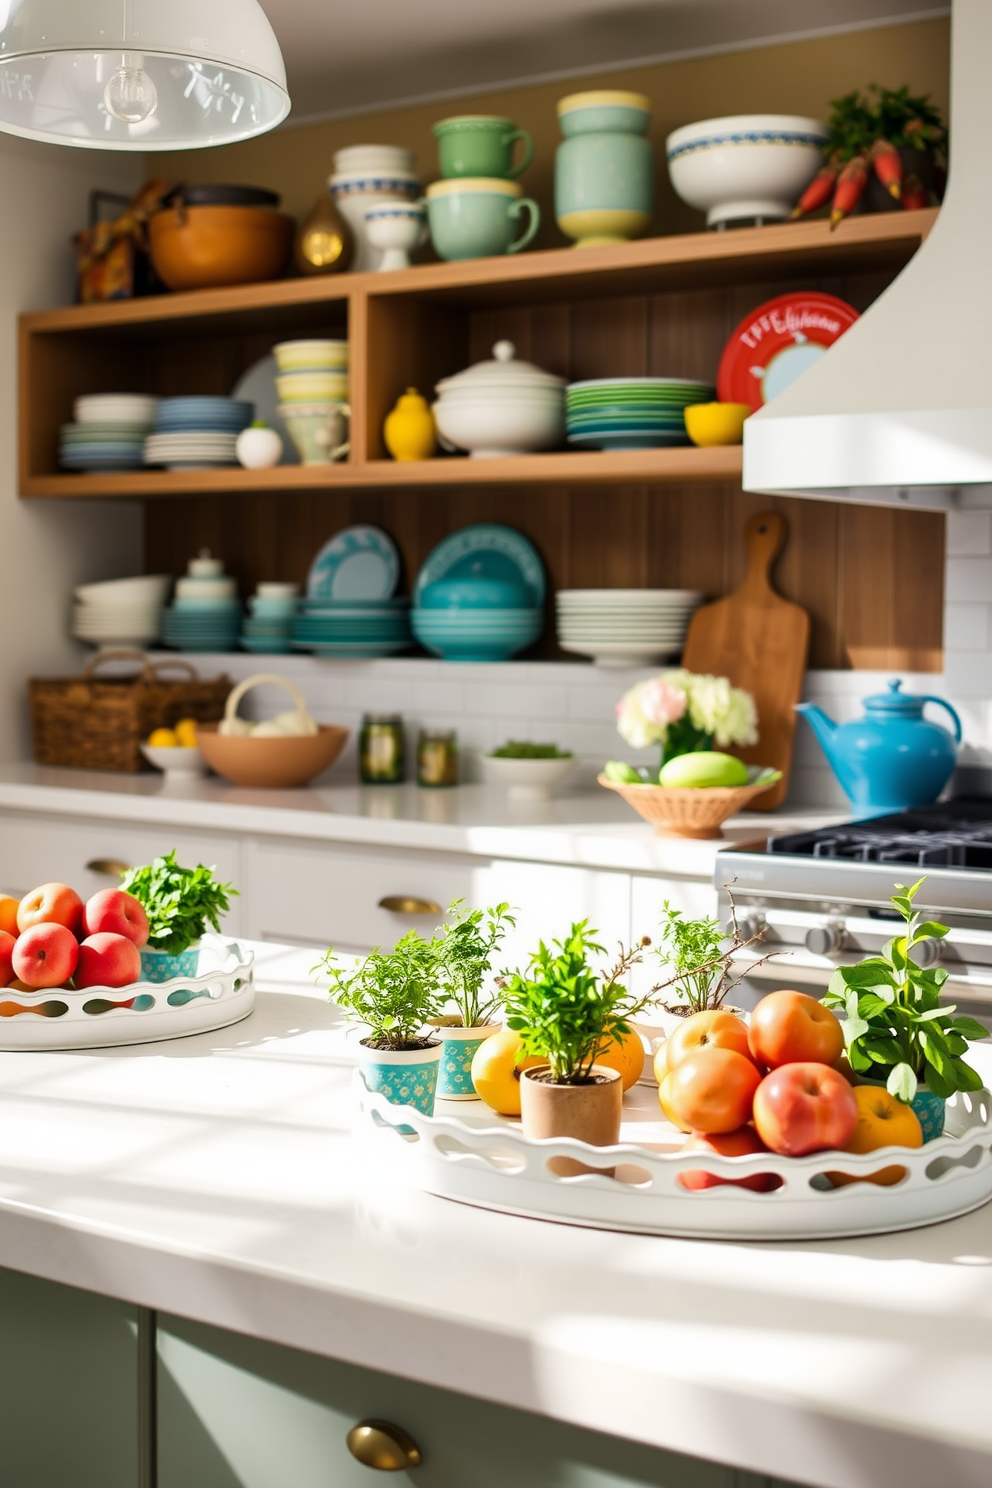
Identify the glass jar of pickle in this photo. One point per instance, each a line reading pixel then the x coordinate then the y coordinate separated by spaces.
pixel 437 757
pixel 382 749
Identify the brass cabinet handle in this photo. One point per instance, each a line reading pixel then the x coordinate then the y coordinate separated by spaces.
pixel 112 867
pixel 382 1445
pixel 408 904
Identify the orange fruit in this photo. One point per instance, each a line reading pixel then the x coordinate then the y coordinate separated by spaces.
pixel 710 1091
pixel 496 1073
pixel 714 1028
pixel 626 1057
pixel 8 914
pixel 883 1121
pixel 665 1097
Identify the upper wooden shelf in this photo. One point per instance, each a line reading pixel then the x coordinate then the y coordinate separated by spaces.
pixel 884 240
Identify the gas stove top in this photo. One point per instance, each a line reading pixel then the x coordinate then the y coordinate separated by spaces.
pixel 955 835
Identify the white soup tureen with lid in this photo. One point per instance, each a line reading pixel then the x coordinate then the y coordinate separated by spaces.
pixel 501 407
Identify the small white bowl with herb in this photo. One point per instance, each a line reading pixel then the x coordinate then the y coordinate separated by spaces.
pixel 529 771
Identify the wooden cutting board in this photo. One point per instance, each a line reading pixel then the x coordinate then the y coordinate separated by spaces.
pixel 760 641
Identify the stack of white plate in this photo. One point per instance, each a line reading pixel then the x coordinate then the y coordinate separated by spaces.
pixel 121 612
pixel 625 627
pixel 197 433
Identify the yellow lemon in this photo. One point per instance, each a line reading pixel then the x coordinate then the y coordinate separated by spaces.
pixel 186 733
pixel 496 1073
pixel 162 738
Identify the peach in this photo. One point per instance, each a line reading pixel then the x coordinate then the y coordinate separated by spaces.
pixel 51 904
pixel 8 914
pixel 108 960
pixel 45 955
pixel 7 943
pixel 113 912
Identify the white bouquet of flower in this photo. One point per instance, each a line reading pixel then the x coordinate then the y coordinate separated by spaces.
pixel 686 711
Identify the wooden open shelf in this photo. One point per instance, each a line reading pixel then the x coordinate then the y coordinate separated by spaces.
pixel 661 306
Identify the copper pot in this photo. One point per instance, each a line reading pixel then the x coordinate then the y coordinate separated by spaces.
pixel 205 247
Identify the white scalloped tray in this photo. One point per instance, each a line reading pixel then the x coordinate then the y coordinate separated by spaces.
pixel 222 992
pixel 485 1160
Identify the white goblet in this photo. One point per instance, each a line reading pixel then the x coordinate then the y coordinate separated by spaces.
pixel 396 229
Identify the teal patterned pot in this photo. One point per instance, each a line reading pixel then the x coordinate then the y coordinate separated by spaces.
pixel 405 1077
pixel 156 966
pixel 458 1046
pixel 604 170
pixel 929 1109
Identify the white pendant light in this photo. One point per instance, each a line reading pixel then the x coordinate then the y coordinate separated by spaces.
pixel 139 74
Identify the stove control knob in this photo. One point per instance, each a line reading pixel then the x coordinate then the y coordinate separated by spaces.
pixel 749 925
pixel 927 954
pixel 825 940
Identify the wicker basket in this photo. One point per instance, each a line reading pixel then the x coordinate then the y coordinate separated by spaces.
pixel 686 812
pixel 91 723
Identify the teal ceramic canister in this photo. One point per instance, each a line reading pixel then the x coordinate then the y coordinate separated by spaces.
pixel 459 1045
pixel 604 170
pixel 157 966
pixel 479 217
pixel 405 1077
pixel 481 145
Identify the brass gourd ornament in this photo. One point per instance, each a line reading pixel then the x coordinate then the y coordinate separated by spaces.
pixel 324 244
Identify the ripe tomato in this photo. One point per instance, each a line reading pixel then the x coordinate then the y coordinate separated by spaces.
pixel 883 1121
pixel 711 1090
pixel 712 1029
pixel 803 1108
pixel 728 1144
pixel 791 1028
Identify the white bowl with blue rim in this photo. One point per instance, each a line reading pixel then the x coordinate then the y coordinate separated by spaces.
pixel 746 167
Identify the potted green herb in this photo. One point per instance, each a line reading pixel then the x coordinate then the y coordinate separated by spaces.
pixel 181 905
pixel 566 1013
pixel 699 956
pixel 465 952
pixel 895 1029
pixel 395 994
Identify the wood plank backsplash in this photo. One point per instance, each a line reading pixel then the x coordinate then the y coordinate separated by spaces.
pixel 871 578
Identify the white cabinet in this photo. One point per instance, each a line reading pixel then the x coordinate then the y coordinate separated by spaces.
pixel 37 849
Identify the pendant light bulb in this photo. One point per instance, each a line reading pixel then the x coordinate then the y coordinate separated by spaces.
pixel 130 95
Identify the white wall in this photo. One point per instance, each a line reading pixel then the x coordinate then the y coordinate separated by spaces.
pixel 47 547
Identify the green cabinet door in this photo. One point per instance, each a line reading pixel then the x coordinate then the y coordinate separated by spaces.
pixel 237 1413
pixel 69 1387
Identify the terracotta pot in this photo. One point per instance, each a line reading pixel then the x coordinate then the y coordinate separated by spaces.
pixel 270 763
pixel 202 247
pixel 589 1113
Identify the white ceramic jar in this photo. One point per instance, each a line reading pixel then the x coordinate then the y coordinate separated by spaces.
pixel 501 407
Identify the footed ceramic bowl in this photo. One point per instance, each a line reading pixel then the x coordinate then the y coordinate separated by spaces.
pixel 747 167
pixel 175 761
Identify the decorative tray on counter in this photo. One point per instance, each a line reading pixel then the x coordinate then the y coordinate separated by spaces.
pixel 221 992
pixel 488 1162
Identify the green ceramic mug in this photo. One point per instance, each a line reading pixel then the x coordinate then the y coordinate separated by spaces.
pixel 481 145
pixel 478 218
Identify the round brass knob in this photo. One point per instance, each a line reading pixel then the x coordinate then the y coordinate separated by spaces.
pixel 382 1445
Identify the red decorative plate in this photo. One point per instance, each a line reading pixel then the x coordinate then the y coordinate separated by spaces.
pixel 777 342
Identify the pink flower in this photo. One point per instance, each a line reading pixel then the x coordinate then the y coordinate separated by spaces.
pixel 661 702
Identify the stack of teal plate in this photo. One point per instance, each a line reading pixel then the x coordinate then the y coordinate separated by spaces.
pixel 627 413
pixel 359 628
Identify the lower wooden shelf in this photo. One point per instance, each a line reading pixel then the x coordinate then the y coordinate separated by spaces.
pixel 629 467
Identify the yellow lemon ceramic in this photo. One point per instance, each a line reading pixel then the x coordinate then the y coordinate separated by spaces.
pixel 409 429
pixel 716 423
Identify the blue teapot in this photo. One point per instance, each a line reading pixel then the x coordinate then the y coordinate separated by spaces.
pixel 893 758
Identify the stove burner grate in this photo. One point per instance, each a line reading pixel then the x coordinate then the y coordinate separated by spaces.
pixel 956 835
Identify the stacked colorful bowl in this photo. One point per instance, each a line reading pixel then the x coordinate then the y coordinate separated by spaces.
pixel 476 619
pixel 352 627
pixel 627 413
pixel 197 433
pixel 206 613
pixel 312 383
pixel 108 433
pixel 268 629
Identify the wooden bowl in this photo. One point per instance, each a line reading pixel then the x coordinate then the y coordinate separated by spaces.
pixel 686 812
pixel 203 247
pixel 273 764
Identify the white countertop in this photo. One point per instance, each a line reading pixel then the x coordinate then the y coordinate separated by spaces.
pixel 593 828
pixel 215 1177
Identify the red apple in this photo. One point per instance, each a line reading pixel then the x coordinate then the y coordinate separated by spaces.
pixel 803 1108
pixel 792 1028
pixel 727 1144
pixel 112 912
pixel 51 904
pixel 7 943
pixel 107 960
pixel 45 955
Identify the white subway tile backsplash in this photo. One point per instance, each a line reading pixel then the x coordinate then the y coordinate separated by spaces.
pixel 969 533
pixel 969 580
pixel 968 674
pixel 966 626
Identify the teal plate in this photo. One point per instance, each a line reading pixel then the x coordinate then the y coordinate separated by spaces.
pixel 486 550
pixel 360 563
pixel 616 441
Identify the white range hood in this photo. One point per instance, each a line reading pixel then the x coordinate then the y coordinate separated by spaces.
pixel 899 411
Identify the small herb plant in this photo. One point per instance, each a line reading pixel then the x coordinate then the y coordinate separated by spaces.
pixel 396 993
pixel 181 903
pixel 895 1026
pixel 465 951
pixel 567 1013
pixel 698 959
pixel 520 749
